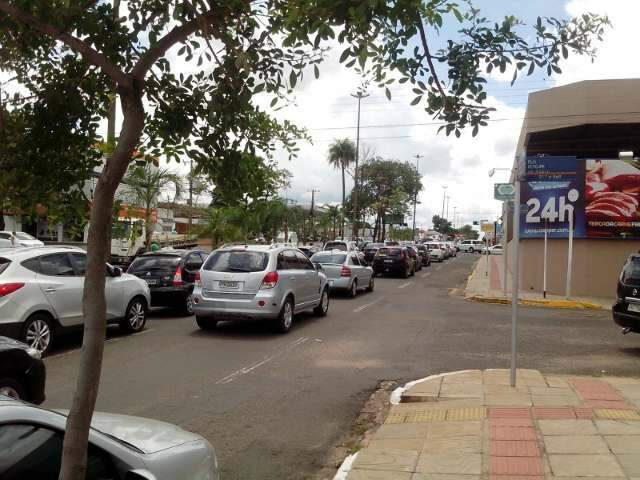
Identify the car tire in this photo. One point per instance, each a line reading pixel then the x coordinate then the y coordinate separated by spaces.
pixel 206 323
pixel 323 307
pixel 371 285
pixel 185 306
pixel 413 271
pixel 135 317
pixel 405 274
pixel 353 290
pixel 11 388
pixel 285 318
pixel 37 332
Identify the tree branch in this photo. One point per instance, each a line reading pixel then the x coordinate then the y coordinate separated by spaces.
pixel 427 53
pixel 90 55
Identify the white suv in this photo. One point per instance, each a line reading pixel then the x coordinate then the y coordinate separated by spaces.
pixel 471 246
pixel 41 294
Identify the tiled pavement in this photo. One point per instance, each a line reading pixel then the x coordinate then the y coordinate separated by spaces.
pixel 473 425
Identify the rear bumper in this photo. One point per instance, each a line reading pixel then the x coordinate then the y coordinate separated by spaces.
pixel 166 296
pixel 389 268
pixel 342 283
pixel 236 308
pixel 625 319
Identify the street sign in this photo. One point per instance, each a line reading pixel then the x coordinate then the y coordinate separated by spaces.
pixel 504 192
pixel 487 227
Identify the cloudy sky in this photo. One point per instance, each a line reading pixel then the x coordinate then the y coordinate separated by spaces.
pixel 392 128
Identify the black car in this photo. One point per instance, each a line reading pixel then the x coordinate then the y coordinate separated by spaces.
pixel 22 372
pixel 417 257
pixel 170 275
pixel 424 253
pixel 626 310
pixel 370 250
pixel 309 250
pixel 394 260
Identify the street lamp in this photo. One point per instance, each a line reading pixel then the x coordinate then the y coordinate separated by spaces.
pixel 415 195
pixel 444 194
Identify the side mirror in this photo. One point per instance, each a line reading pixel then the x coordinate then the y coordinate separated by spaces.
pixel 116 272
pixel 318 267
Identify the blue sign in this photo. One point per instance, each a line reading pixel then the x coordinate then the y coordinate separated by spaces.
pixel 551 168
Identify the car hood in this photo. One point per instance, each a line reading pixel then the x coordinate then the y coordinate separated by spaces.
pixel 30 243
pixel 146 434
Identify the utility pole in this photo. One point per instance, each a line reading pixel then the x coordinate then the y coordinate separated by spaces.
pixel 313 200
pixel 444 196
pixel 190 195
pixel 415 195
pixel 111 119
pixel 359 95
pixel 448 198
pixel 454 216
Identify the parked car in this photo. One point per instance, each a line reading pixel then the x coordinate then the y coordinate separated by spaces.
pixel 22 372
pixel 453 251
pixel 626 310
pixel 18 239
pixel 120 446
pixel 261 282
pixel 495 250
pixel 424 253
pixel 309 250
pixel 370 250
pixel 394 260
pixel 436 252
pixel 345 271
pixel 344 245
pixel 41 295
pixel 170 275
pixel 471 246
pixel 415 255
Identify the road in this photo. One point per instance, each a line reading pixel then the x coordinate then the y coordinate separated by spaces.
pixel 273 405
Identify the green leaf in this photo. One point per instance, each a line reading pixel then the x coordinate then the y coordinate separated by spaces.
pixel 387 92
pixel 416 100
pixel 273 102
pixel 293 78
pixel 316 71
pixel 532 67
pixel 345 55
pixel 565 52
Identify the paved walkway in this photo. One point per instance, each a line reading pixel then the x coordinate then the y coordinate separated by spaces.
pixel 486 284
pixel 472 425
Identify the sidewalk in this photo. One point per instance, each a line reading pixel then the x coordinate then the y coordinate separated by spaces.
pixel 486 284
pixel 472 425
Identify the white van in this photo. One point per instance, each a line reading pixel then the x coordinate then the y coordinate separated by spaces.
pixel 471 246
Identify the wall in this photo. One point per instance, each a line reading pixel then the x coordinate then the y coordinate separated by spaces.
pixel 596 265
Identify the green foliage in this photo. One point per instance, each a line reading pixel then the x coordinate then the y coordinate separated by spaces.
pixel 342 153
pixel 468 232
pixel 402 233
pixel 442 225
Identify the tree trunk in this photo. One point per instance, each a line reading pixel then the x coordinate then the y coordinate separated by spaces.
pixel 74 453
pixel 343 203
pixel 375 228
pixel 384 227
pixel 148 228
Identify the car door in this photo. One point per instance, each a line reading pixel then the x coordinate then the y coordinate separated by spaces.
pixel 61 286
pixel 357 270
pixel 113 289
pixel 311 278
pixel 293 275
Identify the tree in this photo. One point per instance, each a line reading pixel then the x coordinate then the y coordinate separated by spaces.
pixel 342 153
pixel 468 232
pixel 441 225
pixel 239 51
pixel 144 186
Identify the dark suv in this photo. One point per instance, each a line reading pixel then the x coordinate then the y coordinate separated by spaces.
pixel 22 372
pixel 170 275
pixel 393 260
pixel 370 250
pixel 626 310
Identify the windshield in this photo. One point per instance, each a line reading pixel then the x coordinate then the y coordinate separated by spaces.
pixel 24 236
pixel 374 246
pixel 434 246
pixel 154 262
pixel 328 258
pixel 389 252
pixel 631 272
pixel 233 261
pixel 4 263
pixel 336 246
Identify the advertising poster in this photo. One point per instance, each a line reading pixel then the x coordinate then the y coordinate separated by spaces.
pixel 603 196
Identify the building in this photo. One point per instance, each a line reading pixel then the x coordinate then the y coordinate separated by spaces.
pixel 577 162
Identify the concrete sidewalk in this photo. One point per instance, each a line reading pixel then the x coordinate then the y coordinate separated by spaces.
pixel 486 284
pixel 472 425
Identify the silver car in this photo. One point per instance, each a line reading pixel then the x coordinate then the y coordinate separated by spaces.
pixel 345 271
pixel 41 294
pixel 261 282
pixel 120 446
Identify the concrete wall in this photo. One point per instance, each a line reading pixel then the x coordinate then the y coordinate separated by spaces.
pixel 596 265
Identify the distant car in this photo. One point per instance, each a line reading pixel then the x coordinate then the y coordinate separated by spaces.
pixel 120 446
pixel 309 250
pixel 370 250
pixel 41 294
pixel 626 310
pixel 22 372
pixel 495 250
pixel 453 251
pixel 436 252
pixel 415 255
pixel 471 246
pixel 260 282
pixel 345 271
pixel 424 253
pixel 394 260
pixel 344 245
pixel 18 239
pixel 170 275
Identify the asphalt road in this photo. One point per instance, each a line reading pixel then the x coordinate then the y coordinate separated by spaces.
pixel 273 405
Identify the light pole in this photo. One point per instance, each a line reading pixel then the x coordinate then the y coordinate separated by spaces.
pixel 454 216
pixel 359 95
pixel 415 195
pixel 444 196
pixel 447 215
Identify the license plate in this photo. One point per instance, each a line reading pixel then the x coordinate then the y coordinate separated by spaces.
pixel 152 282
pixel 388 261
pixel 633 307
pixel 225 284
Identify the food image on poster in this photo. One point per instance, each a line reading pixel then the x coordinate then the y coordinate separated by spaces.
pixel 612 198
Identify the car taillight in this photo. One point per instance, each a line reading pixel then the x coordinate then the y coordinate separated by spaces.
pixel 7 288
pixel 270 280
pixel 198 281
pixel 345 271
pixel 177 277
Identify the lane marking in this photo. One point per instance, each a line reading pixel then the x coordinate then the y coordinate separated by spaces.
pixel 425 275
pixel 366 305
pixel 249 368
pixel 404 285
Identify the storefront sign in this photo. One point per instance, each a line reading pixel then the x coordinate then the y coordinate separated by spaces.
pixel 602 195
pixel 503 192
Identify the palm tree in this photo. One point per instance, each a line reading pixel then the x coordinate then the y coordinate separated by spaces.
pixel 144 185
pixel 342 153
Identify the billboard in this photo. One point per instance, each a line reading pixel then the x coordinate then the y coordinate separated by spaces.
pixel 603 196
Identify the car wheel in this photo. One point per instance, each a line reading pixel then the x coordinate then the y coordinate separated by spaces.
pixel 206 323
pixel 37 332
pixel 285 317
pixel 186 305
pixel 413 271
pixel 371 285
pixel 323 307
pixel 405 274
pixel 135 317
pixel 353 291
pixel 12 388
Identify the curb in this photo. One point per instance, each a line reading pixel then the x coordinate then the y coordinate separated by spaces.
pixel 345 467
pixel 570 304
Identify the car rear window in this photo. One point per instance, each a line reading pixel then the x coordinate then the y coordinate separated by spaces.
pixel 374 246
pixel 4 264
pixel 389 252
pixel 631 271
pixel 154 262
pixel 242 261
pixel 336 246
pixel 328 258
pixel 434 246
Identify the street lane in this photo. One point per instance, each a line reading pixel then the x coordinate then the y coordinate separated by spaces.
pixel 273 405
